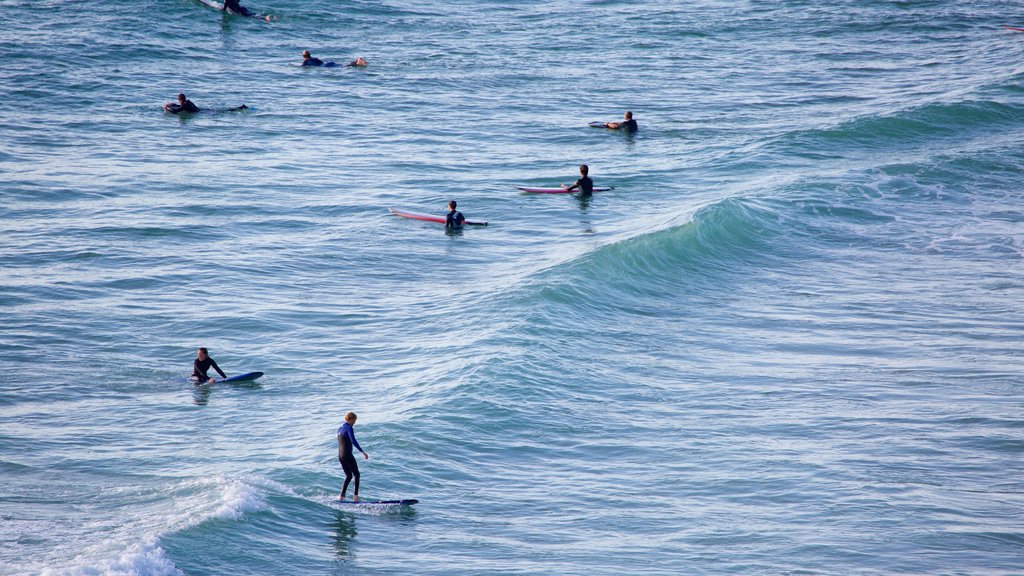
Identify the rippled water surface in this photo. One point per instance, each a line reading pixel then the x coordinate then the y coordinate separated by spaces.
pixel 787 342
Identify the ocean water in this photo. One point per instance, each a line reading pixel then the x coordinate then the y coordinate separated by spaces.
pixel 788 342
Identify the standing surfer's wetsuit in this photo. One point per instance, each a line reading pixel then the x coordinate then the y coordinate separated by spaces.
pixel 346 440
pixel 585 184
pixel 454 219
pixel 201 367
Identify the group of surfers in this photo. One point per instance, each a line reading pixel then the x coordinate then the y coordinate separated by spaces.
pixel 186 106
pixel 346 435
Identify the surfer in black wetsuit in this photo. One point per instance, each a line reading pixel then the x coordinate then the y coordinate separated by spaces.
pixel 584 183
pixel 455 219
pixel 346 441
pixel 202 365
pixel 183 105
pixel 233 7
pixel 308 60
pixel 627 124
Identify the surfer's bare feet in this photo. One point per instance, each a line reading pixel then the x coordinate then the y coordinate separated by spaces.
pixel 341 497
pixel 355 498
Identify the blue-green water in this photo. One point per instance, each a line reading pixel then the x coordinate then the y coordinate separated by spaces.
pixel 788 342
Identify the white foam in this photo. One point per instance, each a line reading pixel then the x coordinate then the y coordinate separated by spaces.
pixel 132 546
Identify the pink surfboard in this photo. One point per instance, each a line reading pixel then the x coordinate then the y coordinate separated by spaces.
pixel 558 190
pixel 429 217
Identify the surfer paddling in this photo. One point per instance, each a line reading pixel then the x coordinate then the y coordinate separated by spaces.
pixel 202 365
pixel 183 105
pixel 454 219
pixel 583 183
pixel 627 124
pixel 346 441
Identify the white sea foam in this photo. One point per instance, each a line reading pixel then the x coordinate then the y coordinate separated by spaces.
pixel 133 547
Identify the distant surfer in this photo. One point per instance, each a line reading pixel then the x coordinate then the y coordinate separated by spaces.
pixel 346 441
pixel 583 183
pixel 309 60
pixel 233 7
pixel 627 124
pixel 358 62
pixel 202 365
pixel 183 105
pixel 454 219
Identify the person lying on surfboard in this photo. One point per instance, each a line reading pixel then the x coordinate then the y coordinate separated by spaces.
pixel 308 60
pixel 183 105
pixel 584 183
pixel 346 441
pixel 202 365
pixel 454 219
pixel 627 124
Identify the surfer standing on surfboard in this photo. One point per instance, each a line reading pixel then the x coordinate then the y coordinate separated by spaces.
pixel 455 219
pixel 346 440
pixel 627 124
pixel 202 365
pixel 584 183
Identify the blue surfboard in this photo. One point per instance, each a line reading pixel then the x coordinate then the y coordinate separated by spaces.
pixel 406 502
pixel 240 378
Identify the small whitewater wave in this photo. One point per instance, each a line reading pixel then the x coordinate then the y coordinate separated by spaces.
pixel 134 547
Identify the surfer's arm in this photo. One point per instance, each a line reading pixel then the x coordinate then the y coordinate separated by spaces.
pixel 574 186
pixel 217 368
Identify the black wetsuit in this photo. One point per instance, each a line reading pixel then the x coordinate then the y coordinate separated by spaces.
pixel 347 439
pixel 585 184
pixel 233 7
pixel 312 62
pixel 455 219
pixel 629 125
pixel 201 367
pixel 176 108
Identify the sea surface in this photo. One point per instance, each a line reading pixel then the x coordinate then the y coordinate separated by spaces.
pixel 789 342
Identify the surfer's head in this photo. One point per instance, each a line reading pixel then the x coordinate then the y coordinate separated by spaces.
pixel 201 354
pixel 351 417
pixel 452 204
pixel 305 55
pixel 629 115
pixel 584 169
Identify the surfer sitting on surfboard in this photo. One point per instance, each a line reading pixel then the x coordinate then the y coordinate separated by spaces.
pixel 346 440
pixel 455 219
pixel 627 124
pixel 202 365
pixel 584 183
pixel 183 105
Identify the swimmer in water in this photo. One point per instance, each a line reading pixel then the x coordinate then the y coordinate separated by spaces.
pixel 627 124
pixel 346 441
pixel 454 219
pixel 202 365
pixel 358 62
pixel 183 105
pixel 584 183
